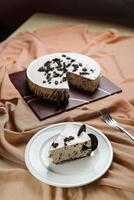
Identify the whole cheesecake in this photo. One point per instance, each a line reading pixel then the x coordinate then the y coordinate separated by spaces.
pixel 50 76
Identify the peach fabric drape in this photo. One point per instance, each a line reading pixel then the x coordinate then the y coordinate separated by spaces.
pixel 115 53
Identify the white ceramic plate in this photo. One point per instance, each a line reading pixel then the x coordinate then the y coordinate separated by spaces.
pixel 72 173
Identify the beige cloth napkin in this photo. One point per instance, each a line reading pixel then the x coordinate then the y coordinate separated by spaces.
pixel 115 53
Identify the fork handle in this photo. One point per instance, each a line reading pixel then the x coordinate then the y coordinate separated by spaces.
pixel 122 129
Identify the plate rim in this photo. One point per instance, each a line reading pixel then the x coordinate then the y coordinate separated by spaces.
pixel 57 184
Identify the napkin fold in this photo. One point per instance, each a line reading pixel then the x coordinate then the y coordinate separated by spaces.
pixel 114 52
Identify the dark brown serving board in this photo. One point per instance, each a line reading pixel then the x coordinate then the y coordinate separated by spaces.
pixel 77 98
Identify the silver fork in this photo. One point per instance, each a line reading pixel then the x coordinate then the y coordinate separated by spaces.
pixel 109 120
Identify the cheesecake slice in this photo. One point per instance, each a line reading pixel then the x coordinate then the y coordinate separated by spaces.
pixel 72 143
pixel 50 76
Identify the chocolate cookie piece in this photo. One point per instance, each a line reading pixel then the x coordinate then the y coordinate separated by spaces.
pixel 67 139
pixel 68 65
pixel 84 73
pixel 64 69
pixel 74 70
pixel 92 70
pixel 82 128
pixel 94 141
pixel 55 74
pixel 56 82
pixel 84 69
pixel 68 58
pixel 64 79
pixel 57 60
pixel 47 64
pixel 59 69
pixel 63 55
pixel 47 69
pixel 72 60
pixel 55 144
pixel 48 77
pixel 41 69
pixel 75 66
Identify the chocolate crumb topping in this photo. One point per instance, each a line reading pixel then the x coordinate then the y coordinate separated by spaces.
pixel 92 70
pixel 47 69
pixel 49 79
pixel 57 60
pixel 59 65
pixel 68 139
pixel 82 128
pixel 74 70
pixel 55 144
pixel 56 82
pixel 68 65
pixel 64 69
pixel 59 69
pixel 84 69
pixel 73 60
pixel 94 141
pixel 47 63
pixel 64 79
pixel 55 74
pixel 44 81
pixel 63 55
pixel 41 69
pixel 75 66
pixel 52 68
pixel 84 73
pixel 48 76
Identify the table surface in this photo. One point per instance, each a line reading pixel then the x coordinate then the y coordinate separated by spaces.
pixel 40 20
